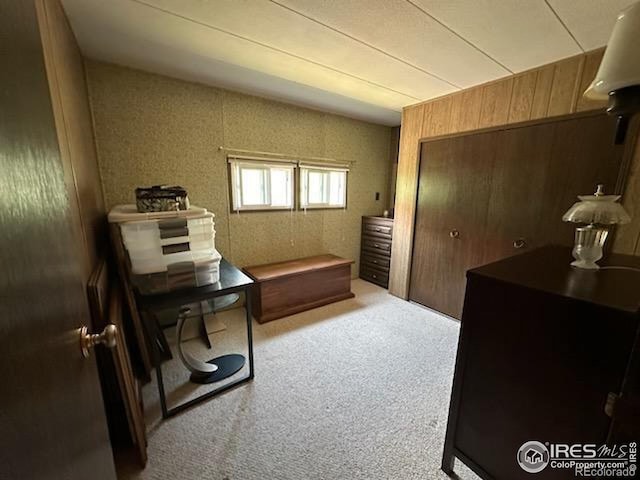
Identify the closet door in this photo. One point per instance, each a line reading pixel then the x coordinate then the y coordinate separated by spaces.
pixel 451 214
pixel 583 155
pixel 486 196
pixel 517 198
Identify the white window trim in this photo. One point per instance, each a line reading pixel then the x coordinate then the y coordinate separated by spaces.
pixel 305 169
pixel 237 163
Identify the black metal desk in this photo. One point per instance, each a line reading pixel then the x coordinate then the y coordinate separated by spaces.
pixel 232 280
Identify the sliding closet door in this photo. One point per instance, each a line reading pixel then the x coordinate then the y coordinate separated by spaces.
pixel 538 171
pixel 486 196
pixel 453 194
pixel 584 154
pixel 517 197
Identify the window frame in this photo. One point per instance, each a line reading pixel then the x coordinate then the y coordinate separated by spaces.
pixel 304 170
pixel 237 164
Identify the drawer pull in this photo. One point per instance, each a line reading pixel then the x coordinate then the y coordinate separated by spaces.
pixel 377 245
pixel 519 243
pixel 374 275
pixel 454 233
pixel 375 261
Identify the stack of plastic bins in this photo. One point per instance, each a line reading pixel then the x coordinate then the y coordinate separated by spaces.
pixel 169 250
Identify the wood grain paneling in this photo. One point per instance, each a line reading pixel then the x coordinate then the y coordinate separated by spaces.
pixel 496 98
pixel 627 239
pixel 465 110
pixel 564 90
pixel 74 126
pixel 524 88
pixel 558 90
pixel 410 133
pixel 437 117
pixel 544 81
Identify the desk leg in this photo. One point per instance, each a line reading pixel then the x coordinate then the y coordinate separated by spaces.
pixel 163 400
pixel 247 301
pixel 157 360
pixel 203 332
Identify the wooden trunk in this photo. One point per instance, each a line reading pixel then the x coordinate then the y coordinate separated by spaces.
pixel 286 288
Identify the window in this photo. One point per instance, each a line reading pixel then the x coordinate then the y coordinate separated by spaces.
pixel 260 185
pixel 323 187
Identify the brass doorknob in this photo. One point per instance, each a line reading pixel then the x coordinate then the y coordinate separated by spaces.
pixel 108 338
pixel 454 233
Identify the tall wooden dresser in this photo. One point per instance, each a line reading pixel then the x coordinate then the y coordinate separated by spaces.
pixel 547 353
pixel 375 249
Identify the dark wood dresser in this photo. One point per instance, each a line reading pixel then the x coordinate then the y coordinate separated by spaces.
pixel 547 353
pixel 375 250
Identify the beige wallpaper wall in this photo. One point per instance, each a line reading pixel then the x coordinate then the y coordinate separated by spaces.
pixel 152 129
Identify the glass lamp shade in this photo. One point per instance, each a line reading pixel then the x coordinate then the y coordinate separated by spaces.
pixel 598 209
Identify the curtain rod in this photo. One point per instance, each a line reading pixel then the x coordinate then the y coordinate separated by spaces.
pixel 288 156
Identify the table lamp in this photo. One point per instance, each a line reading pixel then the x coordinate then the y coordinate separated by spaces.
pixel 598 211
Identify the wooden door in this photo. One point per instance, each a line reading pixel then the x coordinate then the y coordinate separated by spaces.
pixel 505 191
pixel 516 199
pixel 538 171
pixel 583 155
pixel 53 423
pixel 453 193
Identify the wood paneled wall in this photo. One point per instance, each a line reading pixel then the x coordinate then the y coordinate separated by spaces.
pixel 551 90
pixel 74 126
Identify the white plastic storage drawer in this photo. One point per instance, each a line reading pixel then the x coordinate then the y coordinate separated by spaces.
pixel 179 275
pixel 129 213
pixel 160 263
pixel 165 229
pixel 166 246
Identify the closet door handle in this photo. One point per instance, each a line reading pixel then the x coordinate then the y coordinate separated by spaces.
pixel 519 243
pixel 454 233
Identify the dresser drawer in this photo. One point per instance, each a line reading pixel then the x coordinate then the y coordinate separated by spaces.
pixel 377 230
pixel 387 222
pixel 376 245
pixel 375 261
pixel 374 276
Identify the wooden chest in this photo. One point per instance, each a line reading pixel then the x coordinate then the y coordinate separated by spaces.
pixel 285 288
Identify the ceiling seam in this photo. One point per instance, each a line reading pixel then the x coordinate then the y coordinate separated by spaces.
pixel 168 12
pixel 373 47
pixel 461 37
pixel 564 25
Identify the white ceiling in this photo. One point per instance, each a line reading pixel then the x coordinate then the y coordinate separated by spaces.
pixel 361 58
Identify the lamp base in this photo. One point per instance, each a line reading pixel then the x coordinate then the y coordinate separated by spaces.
pixel 588 246
pixel 586 264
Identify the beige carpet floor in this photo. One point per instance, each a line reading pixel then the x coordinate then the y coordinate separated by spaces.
pixel 354 390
